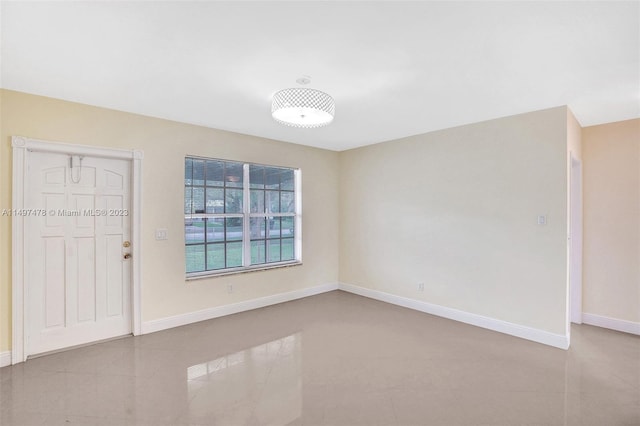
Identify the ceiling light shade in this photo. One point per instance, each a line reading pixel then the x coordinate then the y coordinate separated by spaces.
pixel 302 107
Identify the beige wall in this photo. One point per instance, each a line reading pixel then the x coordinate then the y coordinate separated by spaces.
pixel 456 209
pixel 165 145
pixel 611 158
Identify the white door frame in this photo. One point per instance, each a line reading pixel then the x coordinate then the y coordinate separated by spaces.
pixel 575 241
pixel 22 146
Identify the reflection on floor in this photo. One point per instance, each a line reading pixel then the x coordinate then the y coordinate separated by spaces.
pixel 331 359
pixel 270 391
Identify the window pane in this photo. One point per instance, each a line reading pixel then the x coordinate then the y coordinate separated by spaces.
pixel 288 249
pixel 272 200
pixel 273 226
pixel 287 181
pixel 194 231
pixel 287 202
pixel 188 170
pixel 273 250
pixel 198 200
pixel 198 172
pixel 256 177
pixel 234 229
pixel 233 201
pixel 256 225
pixel 272 177
pixel 194 258
pixel 257 201
pixel 215 229
pixel 215 256
pixel 187 200
pixel 257 252
pixel 287 227
pixel 235 221
pixel 215 200
pixel 216 187
pixel 233 175
pixel 215 173
pixel 234 255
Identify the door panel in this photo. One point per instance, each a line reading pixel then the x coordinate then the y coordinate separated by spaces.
pixel 78 285
pixel 113 249
pixel 86 279
pixel 54 282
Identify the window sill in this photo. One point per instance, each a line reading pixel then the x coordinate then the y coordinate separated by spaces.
pixel 213 274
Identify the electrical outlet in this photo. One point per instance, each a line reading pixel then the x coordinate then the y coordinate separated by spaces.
pixel 420 286
pixel 229 288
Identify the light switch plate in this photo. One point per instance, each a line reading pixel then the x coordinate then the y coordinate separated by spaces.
pixel 162 234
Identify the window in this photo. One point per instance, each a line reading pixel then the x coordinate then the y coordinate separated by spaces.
pixel 239 216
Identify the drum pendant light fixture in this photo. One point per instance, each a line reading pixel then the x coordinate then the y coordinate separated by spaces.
pixel 302 107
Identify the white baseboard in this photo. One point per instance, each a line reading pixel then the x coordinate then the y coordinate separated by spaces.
pixel 219 311
pixel 611 323
pixel 5 358
pixel 536 335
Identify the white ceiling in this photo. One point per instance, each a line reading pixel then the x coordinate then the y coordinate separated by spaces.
pixel 394 68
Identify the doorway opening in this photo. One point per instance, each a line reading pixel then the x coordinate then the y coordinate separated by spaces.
pixel 575 240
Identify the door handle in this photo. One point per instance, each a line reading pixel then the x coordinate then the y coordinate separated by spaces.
pixel 127 255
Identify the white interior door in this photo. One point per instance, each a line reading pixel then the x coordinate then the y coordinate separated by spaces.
pixel 78 281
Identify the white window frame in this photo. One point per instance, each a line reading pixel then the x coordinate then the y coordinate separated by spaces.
pixel 246 221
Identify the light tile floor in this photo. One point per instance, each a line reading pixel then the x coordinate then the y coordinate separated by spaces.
pixel 331 359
